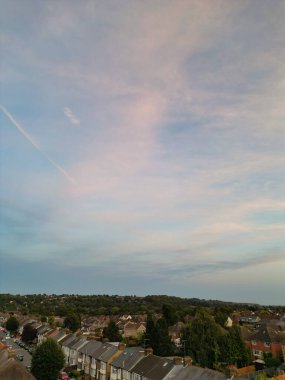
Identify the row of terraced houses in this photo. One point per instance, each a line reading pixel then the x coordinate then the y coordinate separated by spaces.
pixel 113 361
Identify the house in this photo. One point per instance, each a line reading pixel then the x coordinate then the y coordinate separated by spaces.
pixel 65 345
pixel 229 322
pixel 196 373
pixel 41 330
pixel 125 318
pixel 56 335
pixel 95 324
pixel 103 358
pixel 84 356
pixel 253 320
pixel 132 329
pixel 267 339
pixel 175 332
pixel 153 367
pixel 120 368
pixel 74 347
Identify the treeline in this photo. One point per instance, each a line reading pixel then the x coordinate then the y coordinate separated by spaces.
pixel 92 305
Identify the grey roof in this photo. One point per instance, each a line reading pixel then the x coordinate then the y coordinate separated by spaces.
pixel 67 340
pixel 153 367
pixel 129 358
pixel 57 336
pixel 196 373
pixel 105 352
pixel 79 342
pixel 43 329
pixel 90 347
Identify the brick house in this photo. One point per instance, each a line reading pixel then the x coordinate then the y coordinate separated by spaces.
pixel 267 340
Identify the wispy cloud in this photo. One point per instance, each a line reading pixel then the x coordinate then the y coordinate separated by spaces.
pixel 70 115
pixel 35 145
pixel 180 163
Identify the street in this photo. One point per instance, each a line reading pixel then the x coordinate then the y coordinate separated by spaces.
pixel 18 350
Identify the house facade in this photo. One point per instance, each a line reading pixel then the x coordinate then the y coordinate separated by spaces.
pixel 267 340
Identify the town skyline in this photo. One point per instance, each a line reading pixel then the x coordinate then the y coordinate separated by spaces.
pixel 142 148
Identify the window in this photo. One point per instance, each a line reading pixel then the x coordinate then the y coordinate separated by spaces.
pixel 126 375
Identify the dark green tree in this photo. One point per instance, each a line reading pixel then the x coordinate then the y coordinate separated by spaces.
pixel 111 332
pixel 162 345
pixel 222 313
pixel 47 361
pixel 270 361
pixel 233 349
pixel 169 314
pixel 29 333
pixel 149 331
pixel 12 324
pixel 72 322
pixel 156 336
pixel 202 344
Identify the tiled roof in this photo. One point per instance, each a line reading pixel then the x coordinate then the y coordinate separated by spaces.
pixel 246 333
pixel 10 369
pixel 129 358
pixel 269 334
pixel 109 351
pixel 153 367
pixel 68 338
pixel 58 335
pixel 43 329
pixel 91 347
pixel 79 342
pixel 196 373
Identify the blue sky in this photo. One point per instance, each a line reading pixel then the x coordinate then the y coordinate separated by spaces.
pixel 142 148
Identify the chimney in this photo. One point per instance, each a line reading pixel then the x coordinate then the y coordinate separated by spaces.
pixel 148 351
pixel 187 360
pixel 177 360
pixel 231 371
pixel 121 346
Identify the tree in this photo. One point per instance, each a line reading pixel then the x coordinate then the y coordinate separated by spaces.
pixel 29 333
pixel 51 321
pixel 111 332
pixel 233 349
pixel 156 336
pixel 12 324
pixel 169 314
pixel 47 361
pixel 221 317
pixel 72 322
pixel 149 331
pixel 202 344
pixel 270 361
pixel 162 345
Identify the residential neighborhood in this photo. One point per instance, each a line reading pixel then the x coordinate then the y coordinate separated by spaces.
pixel 88 355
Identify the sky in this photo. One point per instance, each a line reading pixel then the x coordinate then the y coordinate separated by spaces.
pixel 143 148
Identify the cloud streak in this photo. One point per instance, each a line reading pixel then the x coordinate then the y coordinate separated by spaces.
pixel 35 145
pixel 71 117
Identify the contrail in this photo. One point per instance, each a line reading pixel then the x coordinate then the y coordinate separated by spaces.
pixel 30 139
